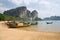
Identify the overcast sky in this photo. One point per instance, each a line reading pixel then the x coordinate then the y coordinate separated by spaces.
pixel 45 8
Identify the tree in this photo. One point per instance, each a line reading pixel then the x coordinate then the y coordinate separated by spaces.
pixel 2 18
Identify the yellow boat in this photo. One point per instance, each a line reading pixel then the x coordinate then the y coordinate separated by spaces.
pixel 21 24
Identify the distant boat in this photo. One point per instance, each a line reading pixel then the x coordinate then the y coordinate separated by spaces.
pixel 49 22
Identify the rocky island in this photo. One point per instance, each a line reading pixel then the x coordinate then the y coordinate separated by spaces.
pixel 22 13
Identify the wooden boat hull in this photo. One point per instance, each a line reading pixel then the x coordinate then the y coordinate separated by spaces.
pixel 49 22
pixel 34 23
pixel 14 25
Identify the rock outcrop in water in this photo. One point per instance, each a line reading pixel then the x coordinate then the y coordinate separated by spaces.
pixel 52 18
pixel 23 13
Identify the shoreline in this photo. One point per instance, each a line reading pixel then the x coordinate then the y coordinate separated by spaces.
pixel 22 34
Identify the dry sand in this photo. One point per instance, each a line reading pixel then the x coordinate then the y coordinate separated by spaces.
pixel 15 34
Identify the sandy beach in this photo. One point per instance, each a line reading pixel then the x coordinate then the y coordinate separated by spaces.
pixel 16 34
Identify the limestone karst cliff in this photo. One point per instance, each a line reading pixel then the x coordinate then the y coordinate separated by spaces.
pixel 22 12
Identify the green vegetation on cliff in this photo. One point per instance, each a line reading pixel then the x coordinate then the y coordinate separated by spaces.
pixel 4 17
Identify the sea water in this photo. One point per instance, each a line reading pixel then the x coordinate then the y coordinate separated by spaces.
pixel 43 26
pixel 54 27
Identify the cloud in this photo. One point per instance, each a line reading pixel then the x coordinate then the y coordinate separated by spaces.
pixel 48 8
pixel 26 2
pixel 1 4
pixel 2 8
pixel 44 2
pixel 16 2
pixel 34 1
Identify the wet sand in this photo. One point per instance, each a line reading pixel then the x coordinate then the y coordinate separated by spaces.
pixel 22 34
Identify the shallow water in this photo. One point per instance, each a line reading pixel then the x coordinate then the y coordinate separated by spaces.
pixel 43 26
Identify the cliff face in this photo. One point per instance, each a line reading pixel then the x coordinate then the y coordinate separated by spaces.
pixel 22 12
pixel 34 14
